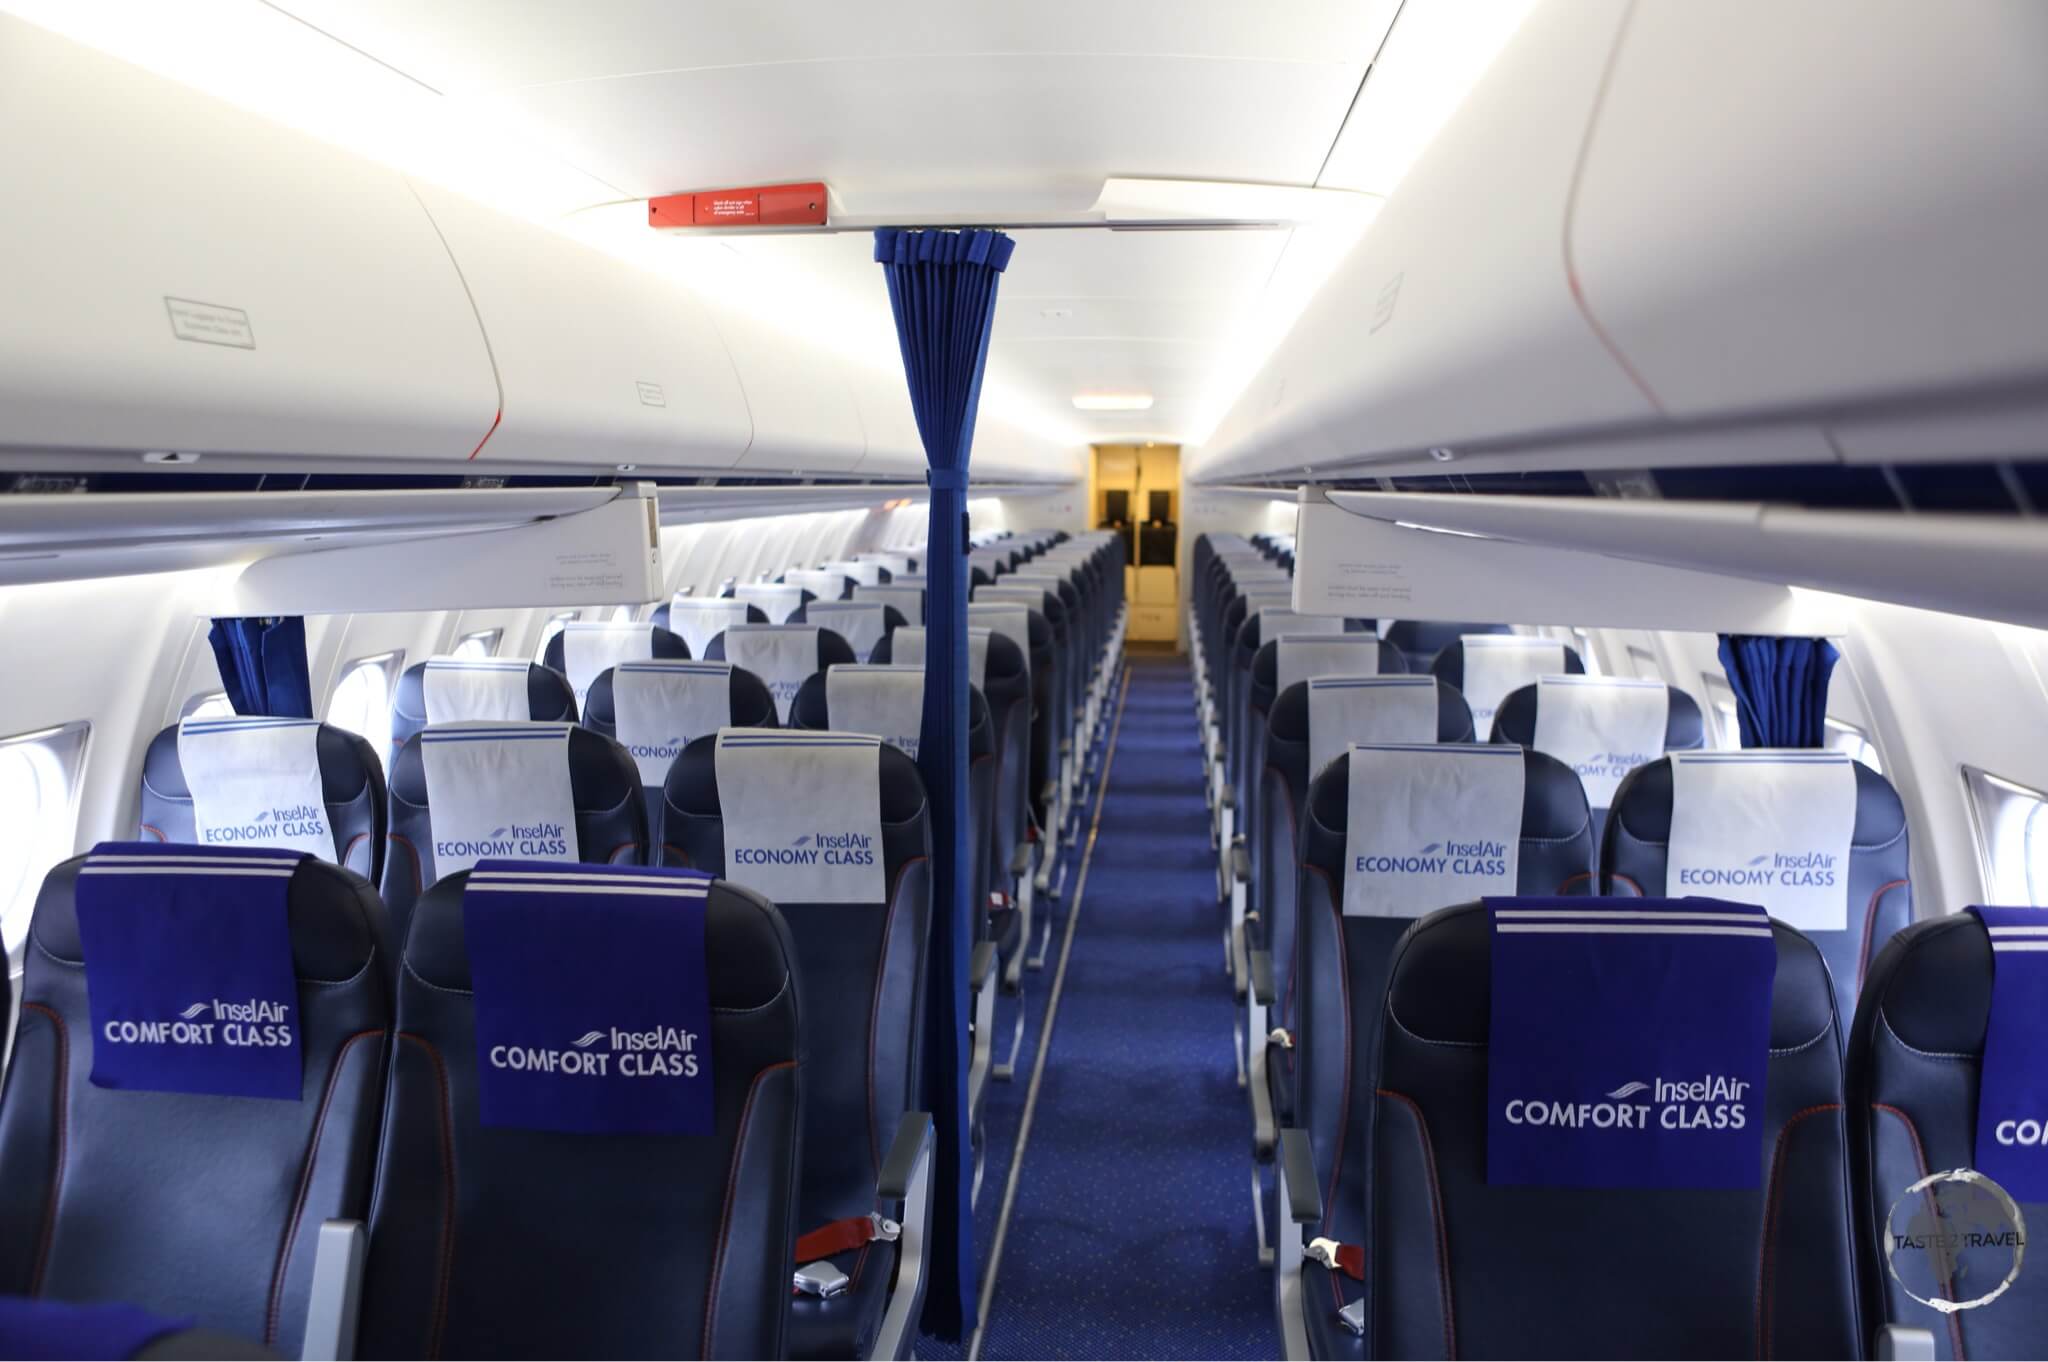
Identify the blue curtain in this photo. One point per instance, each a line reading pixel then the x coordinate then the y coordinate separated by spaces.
pixel 263 665
pixel 942 287
pixel 1781 688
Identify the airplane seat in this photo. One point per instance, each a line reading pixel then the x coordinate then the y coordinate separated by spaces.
pixel 824 584
pixel 668 617
pixel 904 595
pixel 468 689
pixel 594 1226
pixel 516 785
pixel 1343 949
pixel 352 793
pixel 597 648
pixel 1245 728
pixel 1685 728
pixel 1868 895
pixel 863 624
pixel 1487 667
pixel 1065 669
pixel 776 600
pixel 672 702
pixel 748 805
pixel 1422 640
pixel 1917 1101
pixel 192 1179
pixel 784 656
pixel 1043 677
pixel 1455 1266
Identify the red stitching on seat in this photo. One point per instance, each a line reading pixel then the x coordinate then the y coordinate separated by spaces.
pixel 445 1119
pixel 418 887
pixel 1955 1325
pixel 1344 1098
pixel 612 857
pixel 158 831
pixel 1869 926
pixel 1436 1211
pixel 1571 880
pixel 59 1103
pixel 682 857
pixel 349 850
pixel 732 1177
pixel 291 1229
pixel 1627 880
pixel 1763 1300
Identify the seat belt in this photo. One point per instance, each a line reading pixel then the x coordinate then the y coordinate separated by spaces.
pixel 1348 1259
pixel 843 1236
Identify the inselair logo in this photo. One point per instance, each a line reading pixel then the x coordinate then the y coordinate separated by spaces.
pixel 608 1052
pixel 1438 858
pixel 1712 1102
pixel 257 1023
pixel 293 820
pixel 1612 765
pixel 1773 869
pixel 820 848
pixel 665 750
pixel 514 839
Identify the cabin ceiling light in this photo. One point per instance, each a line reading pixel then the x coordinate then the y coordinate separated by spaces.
pixel 1113 401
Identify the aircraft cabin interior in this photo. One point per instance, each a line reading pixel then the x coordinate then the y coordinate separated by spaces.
pixel 1332 679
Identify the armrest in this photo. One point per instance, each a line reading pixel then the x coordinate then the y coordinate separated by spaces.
pixel 1262 978
pixel 1297 1162
pixel 1229 797
pixel 1020 859
pixel 1904 1343
pixel 1241 862
pixel 1050 792
pixel 901 1165
pixel 981 965
pixel 335 1300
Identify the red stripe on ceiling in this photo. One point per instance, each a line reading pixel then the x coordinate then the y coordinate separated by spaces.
pixel 488 434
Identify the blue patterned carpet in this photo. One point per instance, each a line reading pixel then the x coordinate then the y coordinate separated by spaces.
pixel 1132 1232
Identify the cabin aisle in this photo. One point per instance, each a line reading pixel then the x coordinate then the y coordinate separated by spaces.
pixel 1131 1235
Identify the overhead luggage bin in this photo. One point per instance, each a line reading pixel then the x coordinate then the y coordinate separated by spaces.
pixel 599 363
pixel 195 279
pixel 799 395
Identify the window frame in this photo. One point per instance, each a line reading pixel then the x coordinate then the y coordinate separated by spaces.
pixel 68 747
pixel 1996 802
pixel 392 663
pixel 493 640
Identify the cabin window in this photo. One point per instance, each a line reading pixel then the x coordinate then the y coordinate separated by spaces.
pixel 2012 838
pixel 39 808
pixel 1642 664
pixel 622 615
pixel 362 701
pixel 1846 737
pixel 1582 640
pixel 481 644
pixel 548 631
pixel 213 706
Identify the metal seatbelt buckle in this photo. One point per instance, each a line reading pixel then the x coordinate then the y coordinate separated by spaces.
pixel 819 1279
pixel 1323 1251
pixel 1279 1036
pixel 886 1230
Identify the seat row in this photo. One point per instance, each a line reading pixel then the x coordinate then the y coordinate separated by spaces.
pixel 1376 810
pixel 589 1110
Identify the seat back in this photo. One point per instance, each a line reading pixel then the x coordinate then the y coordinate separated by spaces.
pixel 192 1203
pixel 1341 962
pixel 861 958
pixel 1515 721
pixel 1509 662
pixel 351 794
pixel 1592 738
pixel 597 648
pixel 764 650
pixel 1457 1267
pixel 549 697
pixel 1245 729
pixel 1422 640
pixel 749 705
pixel 863 624
pixel 1915 1096
pixel 1041 726
pixel 1065 665
pixel 1878 895
pixel 502 1240
pixel 607 810
pixel 698 621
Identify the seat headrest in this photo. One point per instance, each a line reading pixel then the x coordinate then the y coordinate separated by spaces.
pixel 348 765
pixel 1515 720
pixel 1553 801
pixel 549 697
pixel 743 935
pixel 663 641
pixel 752 705
pixel 601 774
pixel 692 787
pixel 1932 985
pixel 1643 806
pixel 337 921
pixel 1440 991
pixel 1288 719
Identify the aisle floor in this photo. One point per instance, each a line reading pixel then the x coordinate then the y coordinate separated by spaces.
pixel 1131 1235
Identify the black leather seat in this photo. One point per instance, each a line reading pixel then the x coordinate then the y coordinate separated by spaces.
pixel 832 650
pixel 661 642
pixel 549 699
pixel 825 611
pixel 752 707
pixel 351 781
pixel 663 614
pixel 1915 1062
pixel 1515 721
pixel 1421 640
pixel 181 1203
pixel 1633 860
pixel 501 1242
pixel 611 817
pixel 1341 968
pixel 1456 1268
pixel 862 967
